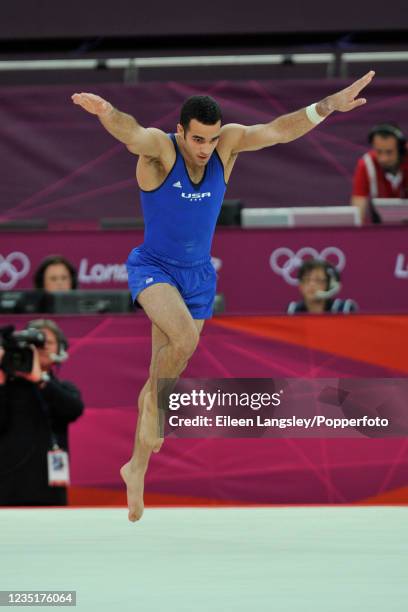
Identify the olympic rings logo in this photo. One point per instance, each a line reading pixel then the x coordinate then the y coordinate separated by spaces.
pixel 12 268
pixel 286 263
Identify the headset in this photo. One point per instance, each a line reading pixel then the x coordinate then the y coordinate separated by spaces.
pixel 62 341
pixel 333 285
pixel 390 129
pixel 332 275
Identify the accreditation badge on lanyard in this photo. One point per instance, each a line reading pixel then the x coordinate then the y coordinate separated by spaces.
pixel 58 467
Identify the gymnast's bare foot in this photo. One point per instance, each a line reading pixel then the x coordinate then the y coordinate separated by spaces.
pixel 134 481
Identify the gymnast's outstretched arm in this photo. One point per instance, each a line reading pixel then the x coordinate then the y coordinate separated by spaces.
pixel 125 128
pixel 286 128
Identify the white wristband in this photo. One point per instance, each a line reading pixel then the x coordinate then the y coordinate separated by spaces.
pixel 313 115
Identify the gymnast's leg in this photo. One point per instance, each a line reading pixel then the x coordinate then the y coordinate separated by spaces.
pixel 175 336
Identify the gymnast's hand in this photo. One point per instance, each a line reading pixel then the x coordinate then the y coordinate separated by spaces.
pixel 346 99
pixel 92 103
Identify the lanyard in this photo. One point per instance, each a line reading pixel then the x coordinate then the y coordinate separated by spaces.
pixel 46 410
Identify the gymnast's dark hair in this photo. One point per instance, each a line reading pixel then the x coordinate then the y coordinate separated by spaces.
pixel 202 108
pixel 50 261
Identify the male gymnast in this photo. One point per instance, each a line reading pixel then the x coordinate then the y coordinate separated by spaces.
pixel 182 179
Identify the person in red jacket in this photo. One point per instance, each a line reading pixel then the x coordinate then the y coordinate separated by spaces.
pixel 383 171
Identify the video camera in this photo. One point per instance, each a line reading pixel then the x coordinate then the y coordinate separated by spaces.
pixel 19 355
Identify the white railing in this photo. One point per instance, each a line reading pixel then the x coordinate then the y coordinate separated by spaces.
pixel 342 60
pixel 167 62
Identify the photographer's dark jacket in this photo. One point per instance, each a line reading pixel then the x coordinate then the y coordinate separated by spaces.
pixel 28 413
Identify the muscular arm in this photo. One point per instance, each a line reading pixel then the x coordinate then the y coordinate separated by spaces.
pixel 281 130
pixel 139 140
pixel 125 128
pixel 294 125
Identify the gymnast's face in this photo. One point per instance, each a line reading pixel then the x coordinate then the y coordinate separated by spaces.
pixel 200 140
pixel 386 150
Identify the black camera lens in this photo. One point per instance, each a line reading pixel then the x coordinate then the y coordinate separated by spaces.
pixel 30 336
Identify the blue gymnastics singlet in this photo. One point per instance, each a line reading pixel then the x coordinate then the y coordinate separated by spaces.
pixel 180 216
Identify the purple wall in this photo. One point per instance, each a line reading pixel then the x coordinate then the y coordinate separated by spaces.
pixel 59 163
pixel 256 268
pixel 129 18
pixel 116 350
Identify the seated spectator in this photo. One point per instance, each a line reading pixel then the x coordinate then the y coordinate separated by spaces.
pixel 319 282
pixel 36 409
pixel 381 172
pixel 55 273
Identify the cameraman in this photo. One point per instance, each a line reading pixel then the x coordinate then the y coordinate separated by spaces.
pixel 35 410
